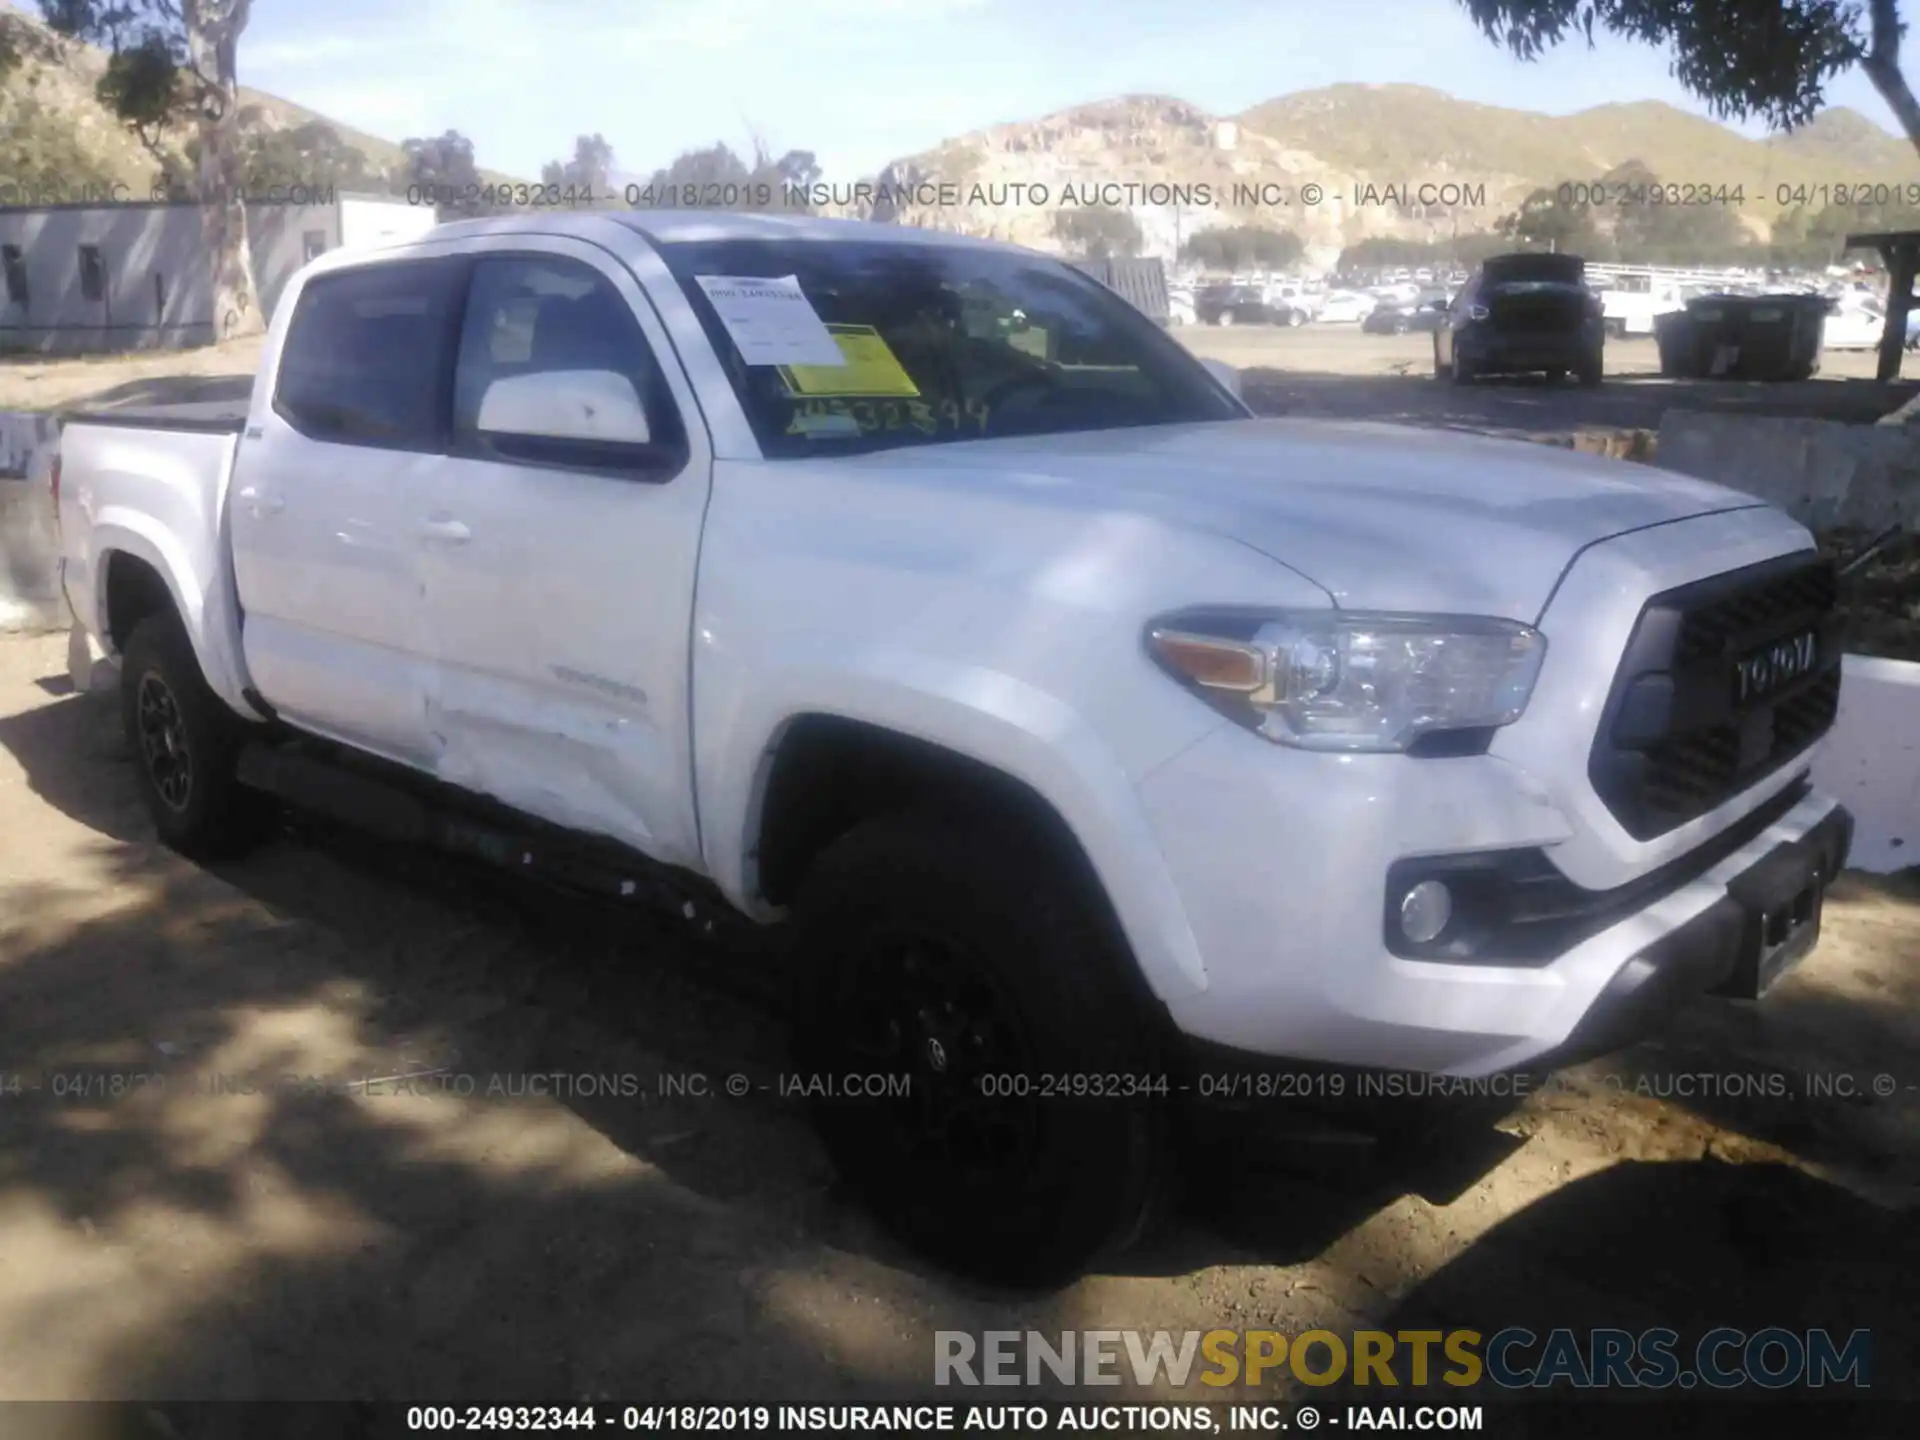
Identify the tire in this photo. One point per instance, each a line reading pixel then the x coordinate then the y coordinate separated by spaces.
pixel 1592 370
pixel 185 743
pixel 1462 371
pixel 1295 319
pixel 1226 317
pixel 1400 327
pixel 916 916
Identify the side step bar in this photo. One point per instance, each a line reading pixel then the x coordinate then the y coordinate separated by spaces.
pixel 353 794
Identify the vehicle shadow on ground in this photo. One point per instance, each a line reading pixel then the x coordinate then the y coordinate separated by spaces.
pixel 1535 405
pixel 1709 1245
pixel 418 1243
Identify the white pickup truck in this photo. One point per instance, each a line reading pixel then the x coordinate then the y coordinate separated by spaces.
pixel 1099 744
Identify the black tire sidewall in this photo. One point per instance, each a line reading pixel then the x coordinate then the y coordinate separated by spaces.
pixel 1097 1169
pixel 219 817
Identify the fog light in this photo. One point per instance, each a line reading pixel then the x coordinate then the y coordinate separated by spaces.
pixel 1425 911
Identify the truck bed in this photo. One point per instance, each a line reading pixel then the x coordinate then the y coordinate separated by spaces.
pixel 207 417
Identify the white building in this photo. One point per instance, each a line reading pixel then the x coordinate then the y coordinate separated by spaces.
pixel 97 278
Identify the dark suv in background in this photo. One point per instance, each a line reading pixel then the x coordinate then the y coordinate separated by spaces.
pixel 1520 314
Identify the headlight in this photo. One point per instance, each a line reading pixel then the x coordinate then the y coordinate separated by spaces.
pixel 1353 680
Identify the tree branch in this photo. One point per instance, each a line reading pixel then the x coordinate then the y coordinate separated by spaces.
pixel 1882 64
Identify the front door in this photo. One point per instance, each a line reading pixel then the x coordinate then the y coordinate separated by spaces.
pixel 558 574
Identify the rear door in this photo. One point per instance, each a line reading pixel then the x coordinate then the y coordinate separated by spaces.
pixel 330 491
pixel 559 573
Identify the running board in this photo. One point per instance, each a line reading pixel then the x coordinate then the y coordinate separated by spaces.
pixel 474 828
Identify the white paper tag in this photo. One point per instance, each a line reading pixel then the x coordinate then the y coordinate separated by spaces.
pixel 772 321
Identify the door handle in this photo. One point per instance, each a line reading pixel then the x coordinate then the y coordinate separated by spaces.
pixel 261 504
pixel 447 532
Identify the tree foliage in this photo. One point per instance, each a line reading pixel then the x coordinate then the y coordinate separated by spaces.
pixel 717 179
pixel 1243 247
pixel 172 70
pixel 1098 232
pixel 1769 60
pixel 588 175
pixel 312 157
pixel 439 170
pixel 1386 252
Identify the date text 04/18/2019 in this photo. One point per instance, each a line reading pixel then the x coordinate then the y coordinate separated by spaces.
pixel 1201 1419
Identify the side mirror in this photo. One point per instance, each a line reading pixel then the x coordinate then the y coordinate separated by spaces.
pixel 1227 375
pixel 597 405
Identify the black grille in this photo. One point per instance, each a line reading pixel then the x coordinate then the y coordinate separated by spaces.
pixel 1681 732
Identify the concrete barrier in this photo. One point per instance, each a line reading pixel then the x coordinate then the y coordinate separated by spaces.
pixel 1824 473
pixel 1871 761
pixel 29 544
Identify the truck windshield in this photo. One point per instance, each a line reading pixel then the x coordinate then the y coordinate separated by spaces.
pixel 891 344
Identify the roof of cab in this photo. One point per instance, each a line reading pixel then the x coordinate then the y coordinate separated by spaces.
pixel 668 227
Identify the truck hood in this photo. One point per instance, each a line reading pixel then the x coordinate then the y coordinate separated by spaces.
pixel 1383 517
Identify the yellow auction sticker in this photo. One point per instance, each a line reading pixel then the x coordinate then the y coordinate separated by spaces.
pixel 872 369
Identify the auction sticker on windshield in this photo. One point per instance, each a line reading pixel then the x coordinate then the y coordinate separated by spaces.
pixel 771 321
pixel 868 368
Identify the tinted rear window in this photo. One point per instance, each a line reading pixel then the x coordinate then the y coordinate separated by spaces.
pixel 365 359
pixel 1542 269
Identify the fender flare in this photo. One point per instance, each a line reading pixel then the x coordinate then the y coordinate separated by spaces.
pixel 1028 736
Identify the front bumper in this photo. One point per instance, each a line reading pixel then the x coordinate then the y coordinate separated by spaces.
pixel 1286 908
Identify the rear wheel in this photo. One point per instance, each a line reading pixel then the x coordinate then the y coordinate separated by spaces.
pixel 1592 369
pixel 974 974
pixel 185 744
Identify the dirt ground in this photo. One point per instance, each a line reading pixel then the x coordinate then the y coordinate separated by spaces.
pixel 226 1226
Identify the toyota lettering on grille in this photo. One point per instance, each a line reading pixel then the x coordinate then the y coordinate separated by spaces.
pixel 1775 666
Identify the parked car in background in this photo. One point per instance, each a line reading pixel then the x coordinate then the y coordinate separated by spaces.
pixel 1241 305
pixel 1286 296
pixel 1520 314
pixel 1855 322
pixel 1345 307
pixel 1401 319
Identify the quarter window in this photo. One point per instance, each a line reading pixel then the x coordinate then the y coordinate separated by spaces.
pixel 365 355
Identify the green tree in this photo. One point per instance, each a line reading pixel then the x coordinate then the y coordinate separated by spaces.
pixel 716 177
pixel 1243 247
pixel 171 68
pixel 1747 59
pixel 1548 220
pixel 1098 232
pixel 440 171
pixel 311 156
pixel 589 174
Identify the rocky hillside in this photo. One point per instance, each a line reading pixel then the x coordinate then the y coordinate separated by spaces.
pixel 57 139
pixel 1383 156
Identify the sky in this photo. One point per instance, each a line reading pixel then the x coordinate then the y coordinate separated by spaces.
pixel 861 82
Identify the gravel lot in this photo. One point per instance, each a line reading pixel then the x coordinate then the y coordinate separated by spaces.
pixel 1339 372
pixel 184 1239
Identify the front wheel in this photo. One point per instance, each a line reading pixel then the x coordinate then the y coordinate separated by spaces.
pixel 982 993
pixel 185 744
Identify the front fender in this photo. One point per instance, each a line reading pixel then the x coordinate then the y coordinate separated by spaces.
pixel 990 717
